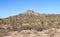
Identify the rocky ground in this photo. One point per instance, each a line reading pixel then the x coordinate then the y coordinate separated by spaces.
pixel 33 33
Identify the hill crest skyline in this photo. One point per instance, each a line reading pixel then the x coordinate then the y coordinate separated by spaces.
pixel 30 12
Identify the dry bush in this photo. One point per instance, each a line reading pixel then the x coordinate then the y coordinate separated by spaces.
pixel 1 34
pixel 3 31
pixel 26 27
pixel 37 27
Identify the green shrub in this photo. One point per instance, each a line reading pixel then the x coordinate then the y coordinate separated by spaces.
pixel 26 27
pixel 37 27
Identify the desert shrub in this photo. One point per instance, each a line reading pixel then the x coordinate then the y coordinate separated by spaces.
pixel 3 31
pixel 1 34
pixel 37 27
pixel 58 24
pixel 9 29
pixel 14 29
pixel 26 27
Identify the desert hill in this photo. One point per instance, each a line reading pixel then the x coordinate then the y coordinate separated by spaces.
pixel 30 20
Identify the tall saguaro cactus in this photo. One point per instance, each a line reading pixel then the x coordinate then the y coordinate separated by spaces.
pixel 16 20
pixel 10 20
pixel 0 21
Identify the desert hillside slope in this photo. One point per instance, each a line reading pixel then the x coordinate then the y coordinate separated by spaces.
pixel 32 18
pixel 29 20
